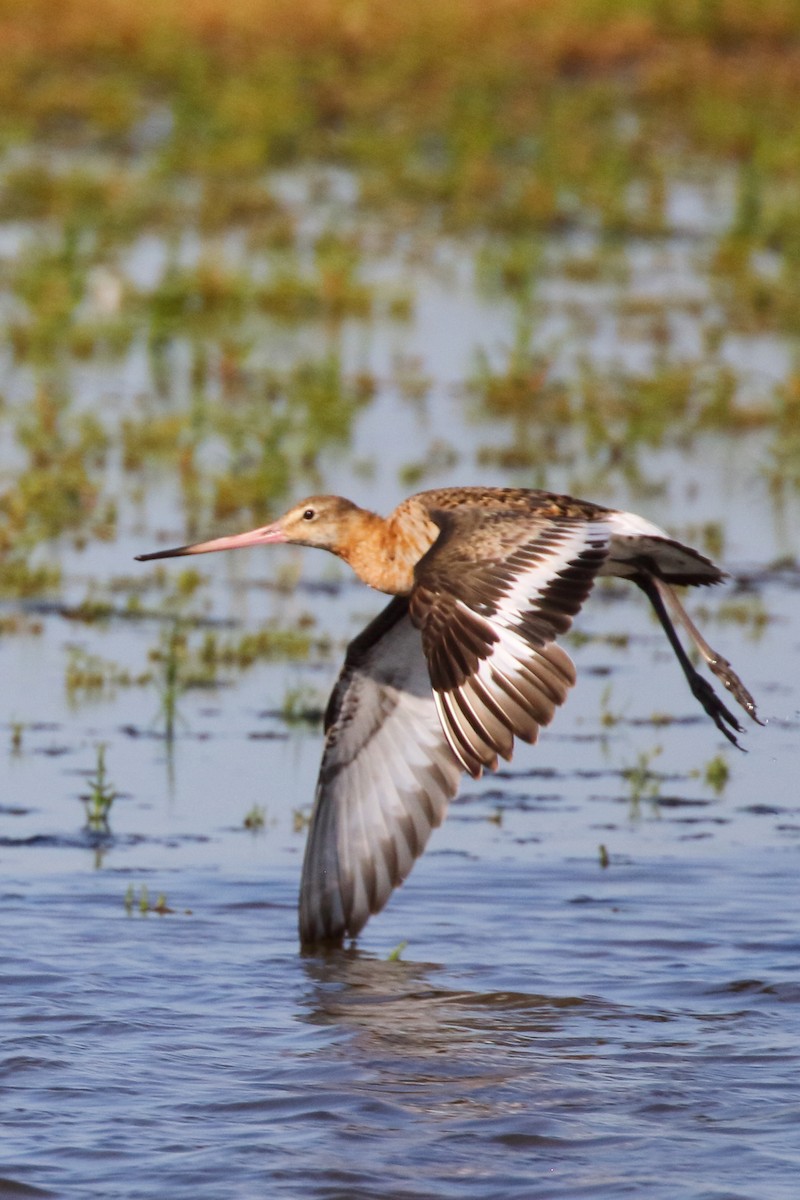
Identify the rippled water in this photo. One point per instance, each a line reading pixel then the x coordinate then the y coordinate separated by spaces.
pixel 557 1031
pixel 553 1026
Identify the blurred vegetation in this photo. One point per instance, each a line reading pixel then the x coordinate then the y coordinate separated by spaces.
pixel 510 113
pixel 164 134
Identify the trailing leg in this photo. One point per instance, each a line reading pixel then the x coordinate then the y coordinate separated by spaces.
pixel 701 689
pixel 718 665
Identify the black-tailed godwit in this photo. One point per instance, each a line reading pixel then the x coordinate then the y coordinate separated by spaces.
pixel 462 660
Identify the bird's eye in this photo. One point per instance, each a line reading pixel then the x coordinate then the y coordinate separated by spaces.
pixel 309 514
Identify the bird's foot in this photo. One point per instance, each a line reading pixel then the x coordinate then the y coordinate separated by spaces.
pixel 732 683
pixel 720 714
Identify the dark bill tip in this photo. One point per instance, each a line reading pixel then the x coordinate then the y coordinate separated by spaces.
pixel 176 553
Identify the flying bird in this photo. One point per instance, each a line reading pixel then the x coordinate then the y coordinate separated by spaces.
pixel 462 660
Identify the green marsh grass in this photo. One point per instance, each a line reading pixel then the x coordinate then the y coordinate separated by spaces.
pixel 101 795
pixel 505 114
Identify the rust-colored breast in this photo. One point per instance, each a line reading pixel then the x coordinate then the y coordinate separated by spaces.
pixel 384 552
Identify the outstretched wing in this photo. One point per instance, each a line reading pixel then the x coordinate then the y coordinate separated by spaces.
pixel 386 778
pixel 491 596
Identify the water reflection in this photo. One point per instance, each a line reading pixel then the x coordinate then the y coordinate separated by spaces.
pixel 530 1094
pixel 398 1006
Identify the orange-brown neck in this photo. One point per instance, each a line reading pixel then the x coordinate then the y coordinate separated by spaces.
pixel 384 551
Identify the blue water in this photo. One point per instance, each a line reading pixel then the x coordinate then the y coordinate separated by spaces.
pixel 551 1031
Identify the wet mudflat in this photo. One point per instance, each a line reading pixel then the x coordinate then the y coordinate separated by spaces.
pixel 589 985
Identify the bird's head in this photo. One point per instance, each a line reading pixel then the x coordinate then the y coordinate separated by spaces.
pixel 327 522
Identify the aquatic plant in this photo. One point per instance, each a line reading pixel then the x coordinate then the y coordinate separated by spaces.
pixel 747 610
pixel 171 657
pixel 642 781
pixel 19 577
pixel 143 904
pixel 101 794
pixel 301 819
pixel 90 676
pixel 716 774
pixel 609 716
pixel 302 706
pixel 269 644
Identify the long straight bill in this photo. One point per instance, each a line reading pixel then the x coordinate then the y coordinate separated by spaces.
pixel 266 535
